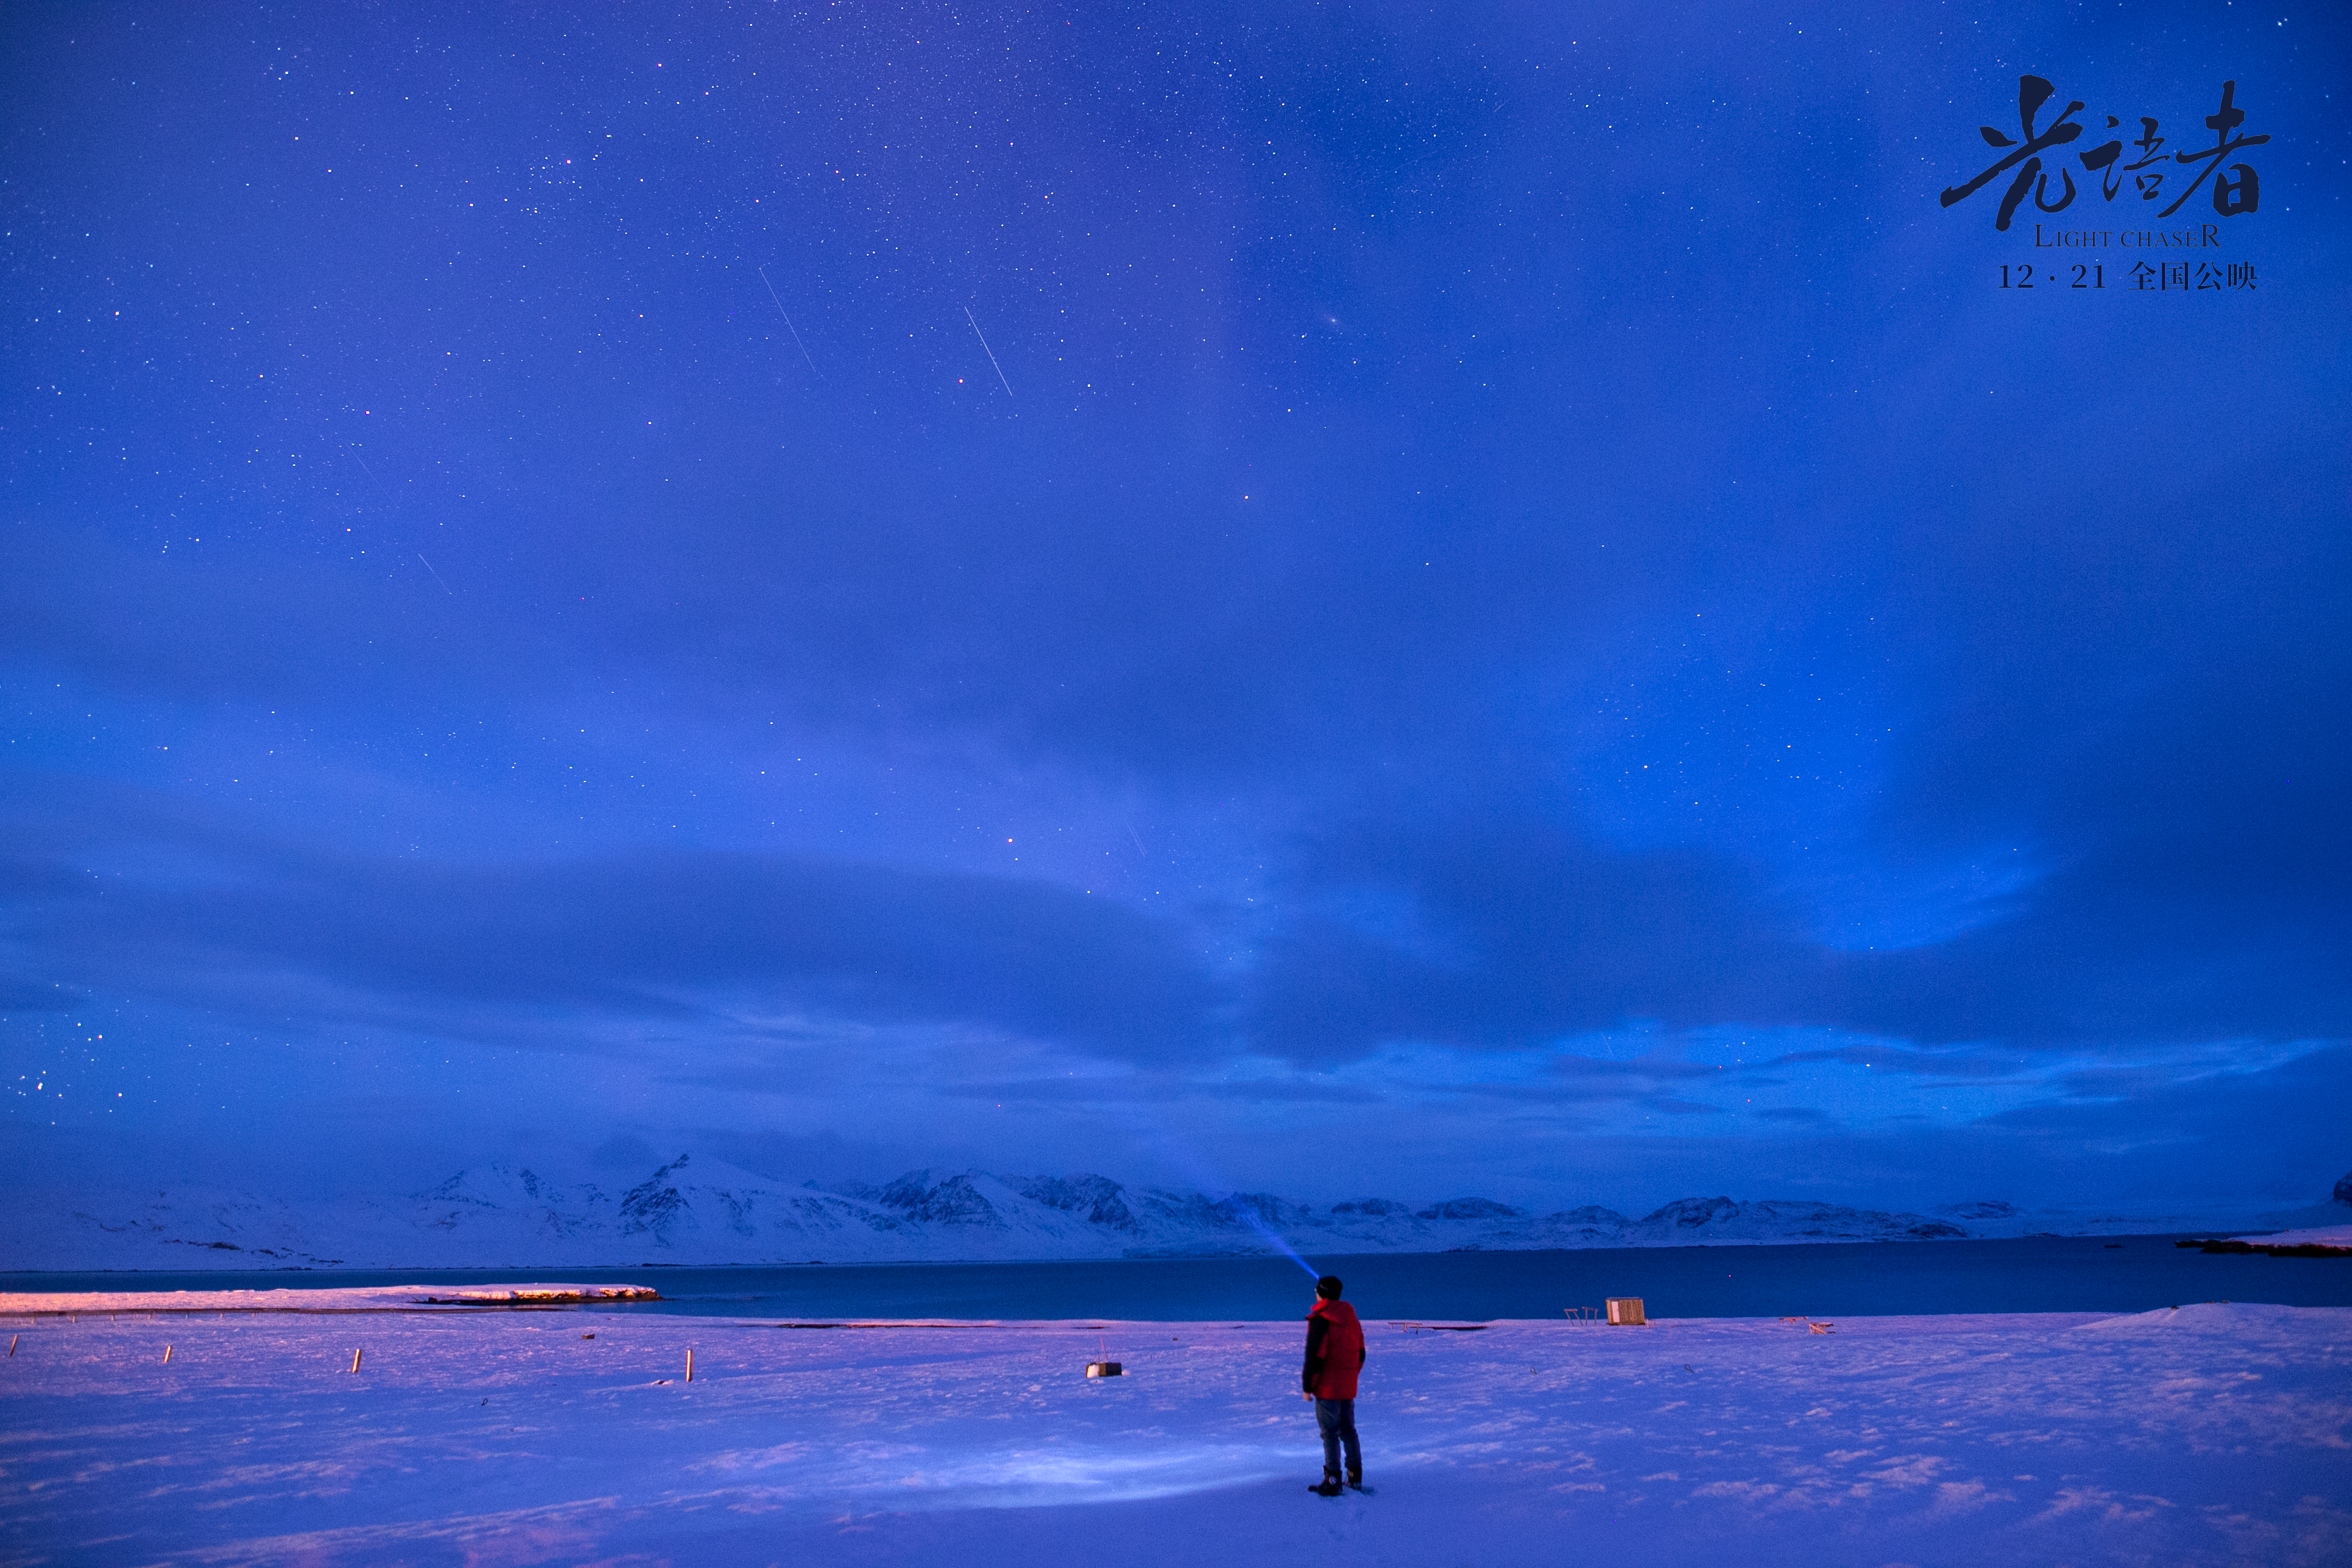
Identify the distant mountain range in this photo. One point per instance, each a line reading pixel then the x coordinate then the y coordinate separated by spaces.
pixel 694 1210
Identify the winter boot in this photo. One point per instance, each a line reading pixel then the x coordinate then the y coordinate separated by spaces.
pixel 1355 1477
pixel 1329 1487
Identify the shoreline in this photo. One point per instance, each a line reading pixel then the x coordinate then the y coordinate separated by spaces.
pixel 1712 1244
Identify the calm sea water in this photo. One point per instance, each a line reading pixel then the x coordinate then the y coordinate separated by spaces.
pixel 2088 1274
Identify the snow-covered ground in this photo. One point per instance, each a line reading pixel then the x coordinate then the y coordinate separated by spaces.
pixel 2213 1434
pixel 2337 1236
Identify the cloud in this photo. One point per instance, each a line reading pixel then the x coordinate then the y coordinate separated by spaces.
pixel 1161 1090
pixel 646 934
pixel 1519 935
pixel 1549 936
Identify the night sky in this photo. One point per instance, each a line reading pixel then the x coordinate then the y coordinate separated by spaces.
pixel 1378 600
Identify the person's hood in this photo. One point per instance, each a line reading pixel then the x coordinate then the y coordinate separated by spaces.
pixel 1338 1311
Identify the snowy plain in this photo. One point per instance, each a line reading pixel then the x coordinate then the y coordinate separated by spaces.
pixel 2210 1434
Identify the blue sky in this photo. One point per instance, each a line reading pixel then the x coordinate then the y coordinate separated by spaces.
pixel 1350 600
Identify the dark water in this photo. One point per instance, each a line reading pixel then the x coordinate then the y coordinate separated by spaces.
pixel 2090 1274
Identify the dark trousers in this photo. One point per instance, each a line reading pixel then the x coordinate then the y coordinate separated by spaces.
pixel 1335 1419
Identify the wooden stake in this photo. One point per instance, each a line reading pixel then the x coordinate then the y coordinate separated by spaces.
pixel 167 1356
pixel 11 1345
pixel 690 1364
pixel 355 1361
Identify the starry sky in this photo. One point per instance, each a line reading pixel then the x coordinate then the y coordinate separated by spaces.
pixel 1376 599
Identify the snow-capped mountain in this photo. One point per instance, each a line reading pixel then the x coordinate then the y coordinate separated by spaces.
pixel 696 1210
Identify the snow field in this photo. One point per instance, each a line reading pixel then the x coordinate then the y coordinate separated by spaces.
pixel 2216 1433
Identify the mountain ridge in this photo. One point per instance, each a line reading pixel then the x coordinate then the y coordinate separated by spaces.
pixel 697 1210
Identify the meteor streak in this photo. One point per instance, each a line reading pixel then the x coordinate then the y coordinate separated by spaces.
pixel 788 324
pixel 986 349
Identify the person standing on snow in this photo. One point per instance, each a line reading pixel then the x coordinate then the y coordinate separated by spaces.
pixel 1334 1354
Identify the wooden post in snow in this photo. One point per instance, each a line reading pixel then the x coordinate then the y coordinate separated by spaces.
pixel 689 1363
pixel 167 1356
pixel 355 1361
pixel 12 1343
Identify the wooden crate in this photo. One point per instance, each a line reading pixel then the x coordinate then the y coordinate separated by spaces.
pixel 1105 1369
pixel 1626 1309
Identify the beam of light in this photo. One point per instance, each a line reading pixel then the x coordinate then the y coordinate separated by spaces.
pixel 926 1477
pixel 986 349
pixel 788 324
pixel 1257 1222
pixel 1059 1476
pixel 1197 1170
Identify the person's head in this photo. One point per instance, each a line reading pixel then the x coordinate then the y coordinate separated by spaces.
pixel 1327 1288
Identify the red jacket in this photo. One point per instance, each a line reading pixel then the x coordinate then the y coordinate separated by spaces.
pixel 1335 1351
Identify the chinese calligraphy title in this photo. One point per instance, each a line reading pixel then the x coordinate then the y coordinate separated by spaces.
pixel 2238 191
